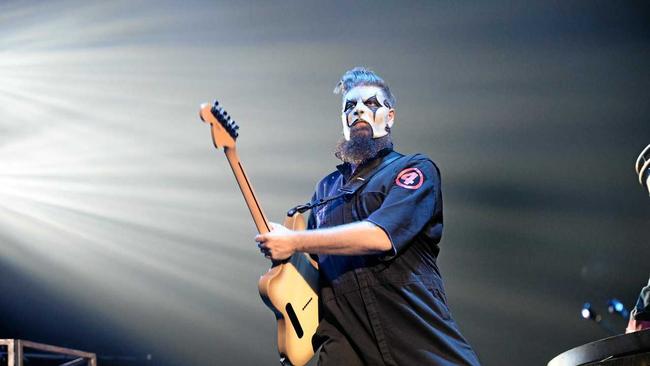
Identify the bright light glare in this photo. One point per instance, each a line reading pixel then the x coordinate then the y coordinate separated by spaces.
pixel 107 188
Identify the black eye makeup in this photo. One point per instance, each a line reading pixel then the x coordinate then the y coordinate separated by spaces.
pixel 349 105
pixel 372 102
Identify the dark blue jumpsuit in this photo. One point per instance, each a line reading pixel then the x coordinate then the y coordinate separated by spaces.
pixel 642 308
pixel 387 309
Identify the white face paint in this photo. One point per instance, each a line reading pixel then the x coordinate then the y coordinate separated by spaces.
pixel 365 108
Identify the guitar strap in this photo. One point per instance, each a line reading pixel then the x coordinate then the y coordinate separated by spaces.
pixel 357 181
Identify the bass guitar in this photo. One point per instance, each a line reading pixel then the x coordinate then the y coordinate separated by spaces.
pixel 290 287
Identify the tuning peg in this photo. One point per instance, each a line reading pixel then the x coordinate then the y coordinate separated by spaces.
pixel 216 103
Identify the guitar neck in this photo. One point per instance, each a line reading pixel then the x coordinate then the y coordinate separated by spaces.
pixel 253 204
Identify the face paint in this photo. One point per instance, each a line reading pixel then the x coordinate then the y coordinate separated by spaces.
pixel 362 110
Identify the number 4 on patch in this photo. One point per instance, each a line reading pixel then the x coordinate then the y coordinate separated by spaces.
pixel 410 178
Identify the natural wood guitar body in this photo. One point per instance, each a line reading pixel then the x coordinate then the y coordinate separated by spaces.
pixel 290 290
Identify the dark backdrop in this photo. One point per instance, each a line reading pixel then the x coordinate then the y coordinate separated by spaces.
pixel 121 228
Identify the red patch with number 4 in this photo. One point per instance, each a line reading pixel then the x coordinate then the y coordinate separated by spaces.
pixel 410 178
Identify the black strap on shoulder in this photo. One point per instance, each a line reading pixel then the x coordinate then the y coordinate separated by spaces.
pixel 358 180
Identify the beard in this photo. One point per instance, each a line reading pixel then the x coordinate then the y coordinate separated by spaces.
pixel 361 147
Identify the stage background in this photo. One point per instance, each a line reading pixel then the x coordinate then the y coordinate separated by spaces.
pixel 123 232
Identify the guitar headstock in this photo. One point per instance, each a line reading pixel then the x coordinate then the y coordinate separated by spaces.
pixel 224 129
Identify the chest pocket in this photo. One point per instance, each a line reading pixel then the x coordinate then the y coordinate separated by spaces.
pixel 367 202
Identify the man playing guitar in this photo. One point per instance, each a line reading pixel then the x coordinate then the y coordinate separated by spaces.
pixel 374 226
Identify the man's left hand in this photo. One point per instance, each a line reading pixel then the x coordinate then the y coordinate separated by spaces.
pixel 278 244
